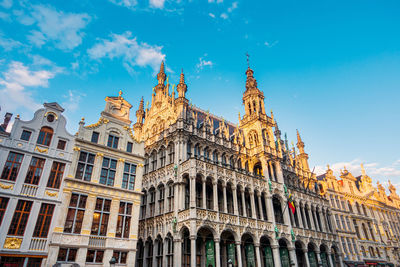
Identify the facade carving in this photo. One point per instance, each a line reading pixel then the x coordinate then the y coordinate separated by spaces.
pixel 367 220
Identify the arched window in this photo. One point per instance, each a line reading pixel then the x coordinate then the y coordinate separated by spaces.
pixel 223 159
pixel 258 169
pixel 365 231
pixel 189 150
pixel 277 209
pixel 162 156
pixel 231 162
pixel 239 164
pixel 197 150
pixel 363 251
pixel 45 135
pixel 364 210
pixel 171 153
pixel 154 161
pixel 246 166
pixel 215 157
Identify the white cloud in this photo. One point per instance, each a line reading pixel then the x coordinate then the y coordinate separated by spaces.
pixel 203 63
pixel 224 15
pixel 14 84
pixel 5 16
pixel 233 7
pixel 72 101
pixel 8 44
pixel 6 3
pixel 157 3
pixel 131 52
pixel 64 29
pixel 125 3
pixel 269 45
pixel 211 15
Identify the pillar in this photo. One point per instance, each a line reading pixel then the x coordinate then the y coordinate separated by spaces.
pixel 292 255
pixel 270 209
pixel 298 214
pixel 215 198
pixel 258 258
pixel 225 203
pixel 239 253
pixel 310 215
pixel 204 193
pixel 306 257
pixel 88 217
pixel 253 205
pixel 193 192
pixel 277 257
pixel 279 172
pixel 156 243
pixel 273 178
pixel 235 203
pixel 193 250
pixel 286 214
pixel 330 259
pixel 305 223
pixel 243 203
pixel 260 205
pixel 340 260
pixel 317 252
pixel 217 253
pixel 177 252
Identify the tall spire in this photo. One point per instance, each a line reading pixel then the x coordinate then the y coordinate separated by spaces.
pixel 161 75
pixel 181 87
pixel 300 144
pixel 140 112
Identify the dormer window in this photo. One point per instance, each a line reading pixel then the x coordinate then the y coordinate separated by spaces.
pixel 112 141
pixel 95 137
pixel 26 135
pixel 61 144
pixel 45 135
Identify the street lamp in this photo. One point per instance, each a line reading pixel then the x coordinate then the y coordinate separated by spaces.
pixel 113 261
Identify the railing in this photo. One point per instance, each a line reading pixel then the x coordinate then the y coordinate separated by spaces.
pixel 38 244
pixel 29 190
pixel 97 241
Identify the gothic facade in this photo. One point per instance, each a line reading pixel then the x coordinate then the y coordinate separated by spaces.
pixel 367 220
pixel 216 194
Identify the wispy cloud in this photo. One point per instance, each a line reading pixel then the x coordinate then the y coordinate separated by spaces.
pixel 157 3
pixel 270 44
pixel 127 48
pixel 72 100
pixel 63 29
pixel 211 15
pixel 6 3
pixel 125 3
pixel 16 84
pixel 203 63
pixel 230 9
pixel 8 44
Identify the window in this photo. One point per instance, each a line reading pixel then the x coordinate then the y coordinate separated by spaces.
pixel 162 157
pixel 124 220
pixel 56 174
pixel 189 150
pixel 356 228
pixel 76 211
pixel 50 118
pixel 152 201
pixel 112 141
pixel 337 221
pixel 171 153
pixel 20 218
pixel 343 224
pixel 67 254
pixel 35 170
pixel 85 166
pixel 348 223
pixel 277 209
pixel 120 256
pixel 170 196
pixel 26 135
pixel 129 147
pixel 3 207
pixel 170 252
pixel 95 137
pixel 161 195
pixel 128 179
pixel 61 144
pixel 43 220
pixel 11 168
pixel 100 217
pixel 94 256
pixel 344 245
pixel 107 175
pixel 143 205
pixel 153 161
pixel 45 135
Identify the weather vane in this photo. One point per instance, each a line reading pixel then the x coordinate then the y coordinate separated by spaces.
pixel 248 63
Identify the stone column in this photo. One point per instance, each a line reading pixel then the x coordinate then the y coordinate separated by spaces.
pixel 277 257
pixel 215 198
pixel 279 172
pixel 239 253
pixel 177 252
pixel 298 214
pixel 292 255
pixel 286 214
pixel 306 257
pixel 235 203
pixel 192 250
pixel 253 205
pixel 270 209
pixel 224 193
pixel 258 258
pixel 314 219
pixel 217 253
pixel 88 217
pixel 305 223
pixel 310 215
pixel 113 218
pixel 317 252
pixel 193 192
pixel 330 259
pixel 243 203
pixel 340 259
pixel 273 177
pixel 155 249
pixel 323 225
pixel 204 193
pixel 260 205
pixel 178 195
pixel 62 211
pixel 119 172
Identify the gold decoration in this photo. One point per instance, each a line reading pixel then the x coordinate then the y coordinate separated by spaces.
pixel 121 160
pixel 4 186
pixel 12 243
pixel 58 229
pixel 97 124
pixel 49 112
pixel 140 165
pixel 41 150
pixel 100 154
pixel 111 234
pixel 19 145
pixel 76 148
pixel 85 232
pixel 51 194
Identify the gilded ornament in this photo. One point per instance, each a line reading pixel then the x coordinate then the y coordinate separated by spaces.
pixel 121 160
pixel 100 154
pixel 51 194
pixel 140 165
pixel 4 186
pixel 58 229
pixel 12 243
pixel 41 150
pixel 76 148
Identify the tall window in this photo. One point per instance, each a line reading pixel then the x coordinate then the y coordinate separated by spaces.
pixel 3 207
pixel 45 135
pixel 108 171
pixel 56 174
pixel 94 256
pixel 100 217
pixel 95 137
pixel 171 153
pixel 76 211
pixel 43 220
pixel 188 150
pixel 170 196
pixel 153 161
pixel 129 147
pixel 162 157
pixel 26 135
pixel 161 191
pixel 35 170
pixel 124 220
pixel 143 205
pixel 120 256
pixel 20 218
pixel 67 254
pixel 11 168
pixel 277 209
pixel 128 179
pixel 112 141
pixel 337 222
pixel 170 252
pixel 344 245
pixel 85 166
pixel 356 228
pixel 152 193
pixel 348 223
pixel 343 224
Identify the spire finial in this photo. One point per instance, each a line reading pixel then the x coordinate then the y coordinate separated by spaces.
pixel 248 60
pixel 298 136
pixel 363 170
pixel 141 105
pixel 120 93
pixel 162 67
pixel 182 78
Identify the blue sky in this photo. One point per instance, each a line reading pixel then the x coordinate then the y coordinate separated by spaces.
pixel 328 68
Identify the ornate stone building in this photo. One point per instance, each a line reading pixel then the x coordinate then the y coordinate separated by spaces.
pixel 367 220
pixel 101 195
pixel 34 157
pixel 216 193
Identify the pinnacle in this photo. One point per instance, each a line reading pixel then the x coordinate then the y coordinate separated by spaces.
pixel 182 78
pixel 162 67
pixel 141 105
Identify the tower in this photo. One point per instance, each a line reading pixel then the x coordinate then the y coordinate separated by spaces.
pixel 303 157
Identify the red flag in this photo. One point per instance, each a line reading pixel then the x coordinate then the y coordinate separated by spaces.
pixel 291 204
pixel 340 182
